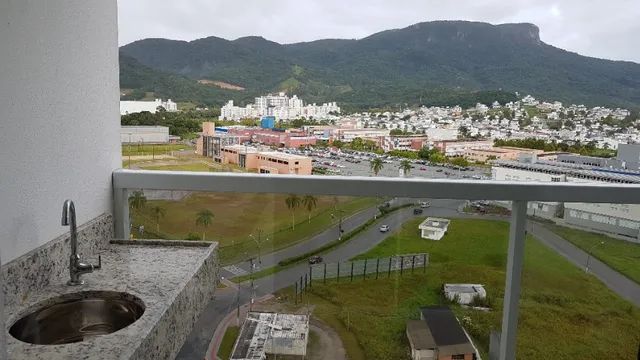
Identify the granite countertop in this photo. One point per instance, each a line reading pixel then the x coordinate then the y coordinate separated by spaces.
pixel 155 272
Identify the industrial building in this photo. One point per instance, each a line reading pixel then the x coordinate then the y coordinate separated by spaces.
pixel 439 335
pixel 144 135
pixel 211 142
pixel 460 147
pixel 433 228
pixel 275 334
pixel 617 219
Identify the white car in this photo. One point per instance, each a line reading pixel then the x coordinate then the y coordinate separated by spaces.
pixel 424 204
pixel 384 228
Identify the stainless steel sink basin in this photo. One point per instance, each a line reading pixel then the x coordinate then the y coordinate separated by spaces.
pixel 78 317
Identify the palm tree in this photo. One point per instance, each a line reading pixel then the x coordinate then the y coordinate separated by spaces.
pixel 158 213
pixel 309 202
pixel 405 166
pixel 293 201
pixel 204 218
pixel 376 165
pixel 137 200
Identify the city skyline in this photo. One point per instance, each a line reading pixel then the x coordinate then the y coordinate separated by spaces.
pixel 569 25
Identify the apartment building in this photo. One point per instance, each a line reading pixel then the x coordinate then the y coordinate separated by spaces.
pixel 130 107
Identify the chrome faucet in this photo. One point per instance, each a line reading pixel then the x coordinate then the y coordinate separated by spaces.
pixel 76 267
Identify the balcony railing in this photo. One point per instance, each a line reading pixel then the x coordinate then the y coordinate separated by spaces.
pixel 519 193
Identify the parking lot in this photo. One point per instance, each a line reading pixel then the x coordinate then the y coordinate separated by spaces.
pixel 358 164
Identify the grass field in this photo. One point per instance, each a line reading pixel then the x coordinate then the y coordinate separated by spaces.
pixel 147 149
pixel 621 255
pixel 194 166
pixel 236 216
pixel 226 345
pixel 564 314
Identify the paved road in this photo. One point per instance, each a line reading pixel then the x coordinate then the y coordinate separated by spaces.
pixel 329 235
pixel 615 281
pixel 227 300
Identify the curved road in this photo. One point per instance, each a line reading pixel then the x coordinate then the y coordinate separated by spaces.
pixel 226 300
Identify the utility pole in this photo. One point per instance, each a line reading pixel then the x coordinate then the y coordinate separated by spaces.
pixel 258 242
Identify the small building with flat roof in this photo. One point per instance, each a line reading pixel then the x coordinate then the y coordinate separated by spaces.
pixel 265 333
pixel 439 336
pixel 433 228
pixel 464 293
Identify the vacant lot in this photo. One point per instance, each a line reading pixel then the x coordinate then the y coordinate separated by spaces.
pixel 565 314
pixel 236 216
pixel 621 255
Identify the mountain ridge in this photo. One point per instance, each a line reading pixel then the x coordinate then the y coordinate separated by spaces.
pixel 453 55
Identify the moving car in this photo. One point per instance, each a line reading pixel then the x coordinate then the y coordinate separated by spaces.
pixel 316 259
pixel 417 211
pixel 425 204
pixel 384 228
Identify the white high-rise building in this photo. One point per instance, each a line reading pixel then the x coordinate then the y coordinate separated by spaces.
pixel 281 106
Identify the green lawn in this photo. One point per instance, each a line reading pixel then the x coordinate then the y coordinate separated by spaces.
pixel 564 314
pixel 226 345
pixel 238 215
pixel 191 165
pixel 146 149
pixel 621 255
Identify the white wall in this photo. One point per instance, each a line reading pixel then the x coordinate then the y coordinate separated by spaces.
pixel 59 123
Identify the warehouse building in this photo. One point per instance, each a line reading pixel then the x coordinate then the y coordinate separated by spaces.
pixel 144 135
pixel 617 219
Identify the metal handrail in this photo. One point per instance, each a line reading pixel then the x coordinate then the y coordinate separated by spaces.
pixel 520 193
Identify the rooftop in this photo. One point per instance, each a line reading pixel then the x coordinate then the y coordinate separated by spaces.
pixel 261 328
pixel 444 327
pixel 575 170
pixel 435 223
pixel 285 156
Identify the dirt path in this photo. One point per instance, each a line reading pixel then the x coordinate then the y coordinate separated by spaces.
pixel 328 346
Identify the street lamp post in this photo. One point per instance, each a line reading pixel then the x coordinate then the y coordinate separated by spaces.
pixel 586 268
pixel 258 242
pixel 340 212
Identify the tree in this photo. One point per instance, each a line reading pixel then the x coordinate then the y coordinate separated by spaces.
pixel 137 200
pixel 376 165
pixel 405 166
pixel 309 202
pixel 158 213
pixel 293 202
pixel 204 219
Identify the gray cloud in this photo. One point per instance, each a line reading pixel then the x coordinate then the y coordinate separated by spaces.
pixel 601 28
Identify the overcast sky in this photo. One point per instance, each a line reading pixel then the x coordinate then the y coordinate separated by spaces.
pixel 601 28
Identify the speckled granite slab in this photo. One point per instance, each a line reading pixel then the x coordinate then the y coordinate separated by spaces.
pixel 174 281
pixel 49 263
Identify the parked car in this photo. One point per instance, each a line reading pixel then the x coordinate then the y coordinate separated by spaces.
pixel 425 204
pixel 316 259
pixel 439 170
pixel 384 228
pixel 417 211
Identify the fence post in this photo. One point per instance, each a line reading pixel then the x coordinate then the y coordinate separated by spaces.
pixel 413 262
pixel 305 282
pixel 310 276
pixel 301 288
pixel 389 273
pixel 377 266
pixel 401 264
pixel 364 273
pixel 352 271
pixel 338 273
pixel 424 263
pixel 325 274
pixel 296 297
